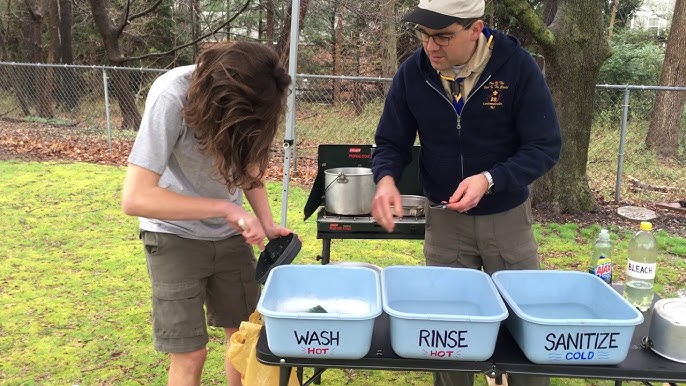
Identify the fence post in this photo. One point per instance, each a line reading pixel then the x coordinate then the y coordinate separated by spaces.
pixel 289 139
pixel 622 142
pixel 107 108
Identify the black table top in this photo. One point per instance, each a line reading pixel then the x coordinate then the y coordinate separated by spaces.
pixel 641 364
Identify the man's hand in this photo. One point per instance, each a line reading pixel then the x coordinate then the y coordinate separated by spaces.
pixel 468 193
pixel 387 195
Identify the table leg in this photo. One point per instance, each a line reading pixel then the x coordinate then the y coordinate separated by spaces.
pixel 325 257
pixel 618 382
pixel 326 251
pixel 284 375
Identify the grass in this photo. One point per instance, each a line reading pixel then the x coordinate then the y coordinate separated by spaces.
pixel 74 292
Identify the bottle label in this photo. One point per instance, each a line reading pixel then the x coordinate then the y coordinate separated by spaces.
pixel 604 269
pixel 643 271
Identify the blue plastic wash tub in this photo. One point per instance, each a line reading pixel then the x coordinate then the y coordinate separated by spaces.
pixel 567 317
pixel 320 311
pixel 442 313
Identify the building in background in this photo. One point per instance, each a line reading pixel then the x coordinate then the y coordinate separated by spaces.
pixel 655 15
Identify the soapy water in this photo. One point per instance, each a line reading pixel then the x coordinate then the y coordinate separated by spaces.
pixel 331 305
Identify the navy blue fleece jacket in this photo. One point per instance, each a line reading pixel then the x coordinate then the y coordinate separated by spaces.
pixel 508 126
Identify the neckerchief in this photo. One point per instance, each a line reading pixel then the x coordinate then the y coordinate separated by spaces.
pixel 454 81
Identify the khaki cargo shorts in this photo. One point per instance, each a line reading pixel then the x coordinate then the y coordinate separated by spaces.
pixel 190 276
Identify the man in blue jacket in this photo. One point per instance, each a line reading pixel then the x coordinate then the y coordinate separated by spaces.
pixel 487 129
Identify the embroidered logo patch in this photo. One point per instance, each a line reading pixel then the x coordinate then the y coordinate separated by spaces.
pixel 496 88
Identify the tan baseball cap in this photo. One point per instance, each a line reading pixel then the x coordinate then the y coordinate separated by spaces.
pixel 438 14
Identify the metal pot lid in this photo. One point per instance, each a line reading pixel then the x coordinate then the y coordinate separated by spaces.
pixel 279 251
pixel 672 310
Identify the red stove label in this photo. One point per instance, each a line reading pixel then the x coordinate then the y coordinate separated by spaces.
pixel 322 342
pixel 340 227
pixel 443 343
pixel 356 153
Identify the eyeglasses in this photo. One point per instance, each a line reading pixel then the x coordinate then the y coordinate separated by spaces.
pixel 441 39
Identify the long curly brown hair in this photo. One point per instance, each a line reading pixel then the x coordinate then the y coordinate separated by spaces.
pixel 236 102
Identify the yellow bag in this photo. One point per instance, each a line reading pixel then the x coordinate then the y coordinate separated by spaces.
pixel 242 354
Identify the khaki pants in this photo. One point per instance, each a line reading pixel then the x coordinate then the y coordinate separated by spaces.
pixel 197 283
pixel 492 243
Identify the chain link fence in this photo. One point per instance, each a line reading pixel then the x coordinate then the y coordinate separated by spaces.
pixel 106 102
pixel 97 100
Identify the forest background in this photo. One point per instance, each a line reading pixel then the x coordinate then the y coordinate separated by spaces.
pixel 579 43
pixel 50 227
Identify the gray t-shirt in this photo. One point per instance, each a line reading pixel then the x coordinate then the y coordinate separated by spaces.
pixel 165 145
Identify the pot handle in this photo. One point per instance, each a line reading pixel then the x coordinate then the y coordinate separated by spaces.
pixel 342 178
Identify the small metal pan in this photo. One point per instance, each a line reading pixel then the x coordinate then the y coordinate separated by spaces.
pixel 413 206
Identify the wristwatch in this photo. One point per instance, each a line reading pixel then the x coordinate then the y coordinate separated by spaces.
pixel 489 178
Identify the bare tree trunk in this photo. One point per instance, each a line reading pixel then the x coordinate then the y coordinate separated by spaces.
pixel 389 47
pixel 4 53
pixel 283 43
pixel 613 14
pixel 67 78
pixel 66 51
pixel 269 8
pixel 575 48
pixel 48 82
pixel 260 22
pixel 337 50
pixel 29 34
pixel 25 91
pixel 358 93
pixel 227 15
pixel 195 25
pixel 120 82
pixel 669 105
pixel 42 80
pixel 549 11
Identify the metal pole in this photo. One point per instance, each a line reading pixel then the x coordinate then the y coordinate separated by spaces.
pixel 290 113
pixel 622 142
pixel 107 109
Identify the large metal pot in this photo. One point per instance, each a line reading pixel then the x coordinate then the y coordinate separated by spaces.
pixel 349 191
pixel 667 336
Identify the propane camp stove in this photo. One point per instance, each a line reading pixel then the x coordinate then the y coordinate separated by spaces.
pixel 364 227
pixel 334 226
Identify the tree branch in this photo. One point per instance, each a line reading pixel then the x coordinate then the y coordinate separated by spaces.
pixel 145 12
pixel 35 15
pixel 523 12
pixel 124 18
pixel 219 28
